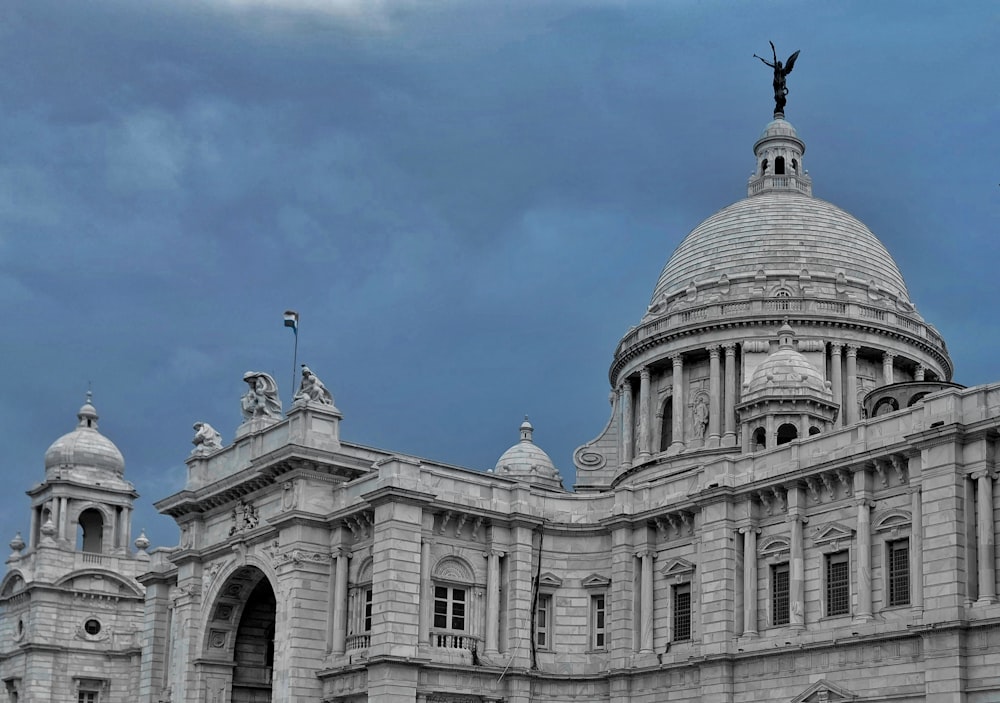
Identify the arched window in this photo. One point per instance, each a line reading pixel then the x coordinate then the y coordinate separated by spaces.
pixel 453 585
pixel 90 536
pixel 915 398
pixel 813 430
pixel 795 165
pixel 786 433
pixel 763 166
pixel 360 605
pixel 667 427
pixel 779 166
pixel 759 439
pixel 885 406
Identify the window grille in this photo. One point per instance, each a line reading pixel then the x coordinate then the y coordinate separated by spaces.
pixel 682 613
pixel 779 594
pixel 542 614
pixel 899 572
pixel 368 610
pixel 838 584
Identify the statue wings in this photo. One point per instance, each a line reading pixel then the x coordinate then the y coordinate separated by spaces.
pixel 790 64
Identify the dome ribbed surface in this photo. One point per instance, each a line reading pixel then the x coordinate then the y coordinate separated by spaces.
pixel 85 447
pixel 779 232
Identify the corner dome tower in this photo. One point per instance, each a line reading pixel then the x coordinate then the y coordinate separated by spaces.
pixel 527 462
pixel 85 448
pixel 683 377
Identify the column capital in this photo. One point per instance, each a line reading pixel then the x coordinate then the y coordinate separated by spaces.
pixel 644 372
pixel 793 517
pixel 864 502
pixel 852 349
pixel 983 473
pixel 338 552
pixel 494 553
pixel 730 348
pixel 644 553
pixel 749 529
pixel 713 351
pixel 677 359
pixel 888 355
pixel 836 348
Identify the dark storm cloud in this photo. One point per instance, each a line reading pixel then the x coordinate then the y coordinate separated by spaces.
pixel 468 203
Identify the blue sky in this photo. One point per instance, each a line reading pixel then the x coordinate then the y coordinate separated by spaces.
pixel 468 203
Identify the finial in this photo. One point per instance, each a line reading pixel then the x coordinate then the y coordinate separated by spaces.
pixel 17 544
pixel 142 542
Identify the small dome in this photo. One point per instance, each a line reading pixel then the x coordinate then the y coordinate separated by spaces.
pixel 786 372
pixel 779 128
pixel 527 462
pixel 85 447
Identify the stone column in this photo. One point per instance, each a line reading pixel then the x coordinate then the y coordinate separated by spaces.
pixel 628 432
pixel 644 433
pixel 918 374
pixel 916 548
pixel 340 601
pixel 128 528
pixel 714 396
pixel 678 402
pixel 984 537
pixel 864 613
pixel 851 392
pixel 750 580
pixel 426 592
pixel 837 380
pixel 887 371
pixel 796 567
pixel 646 605
pixel 33 537
pixel 729 438
pixel 62 505
pixel 493 601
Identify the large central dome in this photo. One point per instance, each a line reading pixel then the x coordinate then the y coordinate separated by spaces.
pixel 781 232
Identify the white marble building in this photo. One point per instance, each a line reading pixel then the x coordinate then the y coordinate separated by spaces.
pixel 791 501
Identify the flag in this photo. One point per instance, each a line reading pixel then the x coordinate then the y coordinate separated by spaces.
pixel 292 320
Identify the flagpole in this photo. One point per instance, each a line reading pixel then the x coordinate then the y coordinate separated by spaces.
pixel 292 320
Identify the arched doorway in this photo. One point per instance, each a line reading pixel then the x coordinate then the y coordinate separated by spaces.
pixel 786 433
pixel 90 534
pixel 241 637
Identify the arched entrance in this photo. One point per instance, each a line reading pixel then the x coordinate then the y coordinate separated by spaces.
pixel 241 633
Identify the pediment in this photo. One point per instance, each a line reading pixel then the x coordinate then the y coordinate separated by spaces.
pixel 596 581
pixel 833 534
pixel 773 546
pixel 823 691
pixel 100 581
pixel 677 568
pixel 892 520
pixel 549 580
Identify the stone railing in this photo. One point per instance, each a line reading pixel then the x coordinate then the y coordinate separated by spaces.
pixel 359 641
pixel 729 311
pixel 758 184
pixel 454 640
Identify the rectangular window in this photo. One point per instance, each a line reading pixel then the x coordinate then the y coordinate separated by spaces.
pixel 598 615
pixel 838 584
pixel 899 572
pixel 368 610
pixel 682 613
pixel 542 615
pixel 449 608
pixel 779 594
pixel 88 697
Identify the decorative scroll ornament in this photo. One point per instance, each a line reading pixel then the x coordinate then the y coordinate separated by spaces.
pixel 207 439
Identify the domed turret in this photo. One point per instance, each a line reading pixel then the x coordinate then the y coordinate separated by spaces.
pixel 527 462
pixel 786 373
pixel 85 447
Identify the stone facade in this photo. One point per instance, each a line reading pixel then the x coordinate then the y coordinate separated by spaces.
pixel 791 501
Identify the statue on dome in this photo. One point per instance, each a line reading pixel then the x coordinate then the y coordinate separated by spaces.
pixel 780 71
pixel 261 400
pixel 312 390
pixel 206 439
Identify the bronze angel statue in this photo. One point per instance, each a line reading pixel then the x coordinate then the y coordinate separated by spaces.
pixel 780 71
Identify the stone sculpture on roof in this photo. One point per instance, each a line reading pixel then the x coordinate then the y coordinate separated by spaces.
pixel 780 71
pixel 206 439
pixel 261 400
pixel 312 389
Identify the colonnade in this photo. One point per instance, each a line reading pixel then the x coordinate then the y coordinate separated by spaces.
pixel 119 530
pixel 638 411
